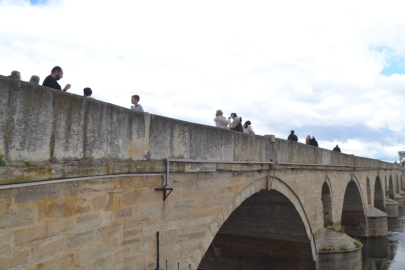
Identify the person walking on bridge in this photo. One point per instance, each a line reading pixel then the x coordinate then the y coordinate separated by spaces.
pixel 292 137
pixel 52 80
pixel 337 149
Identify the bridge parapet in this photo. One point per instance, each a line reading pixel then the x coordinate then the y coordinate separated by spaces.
pixel 64 135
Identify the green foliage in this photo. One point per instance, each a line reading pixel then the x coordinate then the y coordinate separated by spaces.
pixel 262 164
pixel 357 242
pixel 328 223
pixel 340 230
pixel 27 163
pixel 249 163
pixel 326 249
pixel 2 162
pixel 343 247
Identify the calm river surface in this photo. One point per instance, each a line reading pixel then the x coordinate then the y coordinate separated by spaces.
pixel 387 253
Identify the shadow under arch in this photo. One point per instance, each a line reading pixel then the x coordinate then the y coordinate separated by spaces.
pixel 391 191
pixel 378 195
pixel 327 196
pixel 256 214
pixel 369 201
pixel 354 218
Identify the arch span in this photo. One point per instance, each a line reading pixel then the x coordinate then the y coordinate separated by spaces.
pixel 273 219
pixel 369 201
pixel 378 195
pixel 327 204
pixel 391 191
pixel 354 219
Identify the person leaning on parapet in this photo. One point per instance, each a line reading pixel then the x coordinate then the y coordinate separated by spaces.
pixel 87 92
pixel 337 149
pixel 220 120
pixel 34 79
pixel 308 140
pixel 237 122
pixel 313 141
pixel 52 80
pixel 137 107
pixel 15 75
pixel 292 137
pixel 247 128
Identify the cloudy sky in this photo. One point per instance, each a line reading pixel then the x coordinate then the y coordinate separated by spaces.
pixel 335 70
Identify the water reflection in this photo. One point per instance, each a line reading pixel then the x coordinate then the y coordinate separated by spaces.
pixel 387 253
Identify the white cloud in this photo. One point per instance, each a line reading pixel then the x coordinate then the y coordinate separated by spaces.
pixel 279 64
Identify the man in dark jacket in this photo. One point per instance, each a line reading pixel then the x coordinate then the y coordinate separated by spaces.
pixel 52 80
pixel 292 137
pixel 337 149
pixel 314 141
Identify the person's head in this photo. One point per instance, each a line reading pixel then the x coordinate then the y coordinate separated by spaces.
pixel 57 73
pixel 87 92
pixel 292 131
pixel 218 113
pixel 34 79
pixel 135 99
pixel 247 123
pixel 15 75
pixel 337 146
pixel 233 115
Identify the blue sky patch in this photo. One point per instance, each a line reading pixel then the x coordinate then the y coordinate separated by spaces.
pixel 35 2
pixel 396 65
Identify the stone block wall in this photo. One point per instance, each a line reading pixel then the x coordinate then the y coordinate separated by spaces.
pixel 65 135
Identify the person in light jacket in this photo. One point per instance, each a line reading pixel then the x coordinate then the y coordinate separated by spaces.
pixel 308 140
pixel 220 120
pixel 247 128
pixel 236 123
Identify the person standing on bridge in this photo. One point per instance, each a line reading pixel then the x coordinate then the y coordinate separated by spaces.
pixel 292 137
pixel 34 79
pixel 236 123
pixel 87 92
pixel 137 107
pixel 247 128
pixel 15 75
pixel 220 120
pixel 308 140
pixel 337 149
pixel 313 141
pixel 52 80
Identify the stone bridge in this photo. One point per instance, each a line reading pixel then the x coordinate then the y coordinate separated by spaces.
pixel 88 185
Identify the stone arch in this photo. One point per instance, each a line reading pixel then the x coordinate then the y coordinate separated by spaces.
pixel 257 189
pixel 369 192
pixel 354 219
pixel 327 204
pixel 378 195
pixel 391 191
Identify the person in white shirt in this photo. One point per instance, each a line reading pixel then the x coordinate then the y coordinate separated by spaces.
pixel 247 128
pixel 220 120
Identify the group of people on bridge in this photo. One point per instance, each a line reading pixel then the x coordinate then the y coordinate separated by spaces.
pixel 233 122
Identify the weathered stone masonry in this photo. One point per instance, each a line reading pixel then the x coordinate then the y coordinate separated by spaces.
pixel 112 222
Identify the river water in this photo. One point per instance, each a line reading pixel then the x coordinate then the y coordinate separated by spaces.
pixel 387 253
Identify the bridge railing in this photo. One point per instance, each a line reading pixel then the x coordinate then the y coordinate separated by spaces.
pixel 48 134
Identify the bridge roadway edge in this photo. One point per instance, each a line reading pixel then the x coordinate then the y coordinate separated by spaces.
pixel 59 138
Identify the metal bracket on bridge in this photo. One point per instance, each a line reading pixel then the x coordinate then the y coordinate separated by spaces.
pixel 166 186
pixel 165 189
